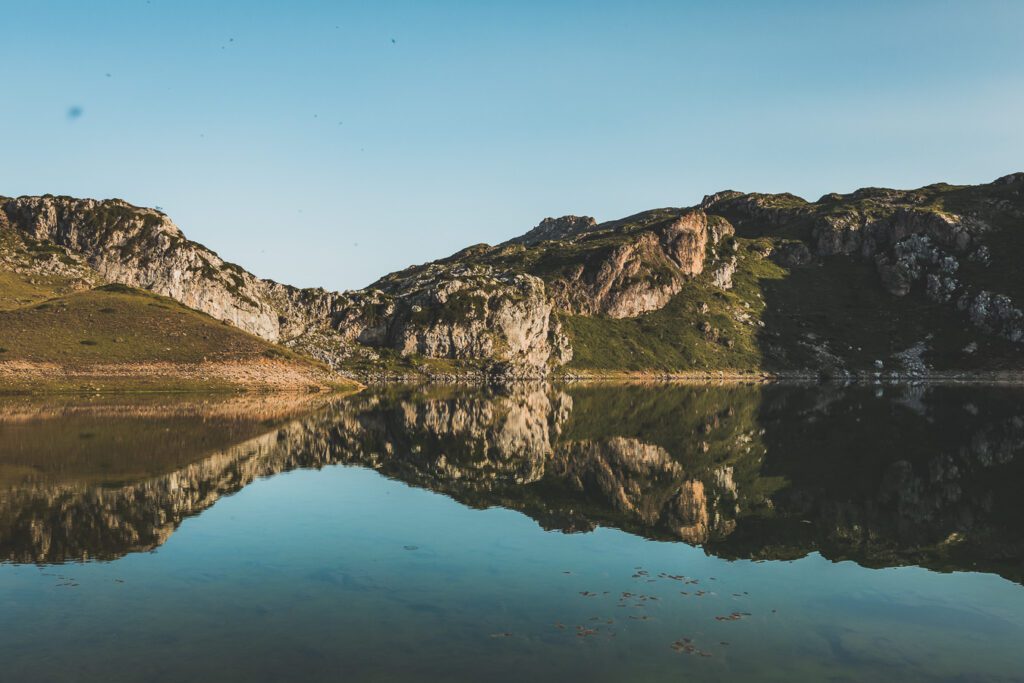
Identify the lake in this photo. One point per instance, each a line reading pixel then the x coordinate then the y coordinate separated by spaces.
pixel 580 532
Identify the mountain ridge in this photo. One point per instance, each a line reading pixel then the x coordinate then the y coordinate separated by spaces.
pixel 743 282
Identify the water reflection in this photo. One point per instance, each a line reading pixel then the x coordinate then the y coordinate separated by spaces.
pixel 885 477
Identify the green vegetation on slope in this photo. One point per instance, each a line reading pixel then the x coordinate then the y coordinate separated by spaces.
pixel 17 290
pixel 120 327
pixel 779 319
pixel 841 305
pixel 701 328
pixel 114 324
pixel 33 271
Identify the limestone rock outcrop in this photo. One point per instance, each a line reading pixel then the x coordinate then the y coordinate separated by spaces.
pixel 642 273
pixel 557 229
pixel 144 248
pixel 745 263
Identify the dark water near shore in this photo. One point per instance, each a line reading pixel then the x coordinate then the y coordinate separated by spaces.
pixel 583 533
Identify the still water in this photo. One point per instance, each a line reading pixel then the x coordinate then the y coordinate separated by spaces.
pixel 640 533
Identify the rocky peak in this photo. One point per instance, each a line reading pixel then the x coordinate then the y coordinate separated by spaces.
pixel 712 199
pixel 1011 179
pixel 563 228
pixel 642 269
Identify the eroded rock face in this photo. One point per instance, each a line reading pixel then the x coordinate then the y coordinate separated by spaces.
pixel 853 231
pixel 143 248
pixel 496 309
pixel 913 258
pixel 20 254
pixel 461 312
pixel 994 313
pixel 643 273
pixel 909 235
pixel 501 319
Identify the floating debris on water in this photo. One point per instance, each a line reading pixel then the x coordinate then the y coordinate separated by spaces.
pixel 735 616
pixel 686 646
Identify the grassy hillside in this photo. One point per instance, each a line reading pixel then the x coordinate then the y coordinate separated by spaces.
pixel 117 337
pixel 114 323
pixel 31 271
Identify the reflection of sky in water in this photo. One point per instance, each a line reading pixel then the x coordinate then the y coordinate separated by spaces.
pixel 309 572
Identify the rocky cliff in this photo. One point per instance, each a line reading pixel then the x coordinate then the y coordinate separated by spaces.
pixel 878 281
pixel 144 248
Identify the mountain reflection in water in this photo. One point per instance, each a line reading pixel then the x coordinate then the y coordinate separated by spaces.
pixel 884 476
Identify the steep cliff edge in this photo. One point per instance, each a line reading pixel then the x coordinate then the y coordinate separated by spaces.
pixel 875 282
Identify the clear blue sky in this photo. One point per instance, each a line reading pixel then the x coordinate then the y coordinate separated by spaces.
pixel 326 143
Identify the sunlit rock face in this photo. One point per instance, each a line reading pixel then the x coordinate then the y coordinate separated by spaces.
pixel 459 312
pixel 469 307
pixel 499 318
pixel 641 272
pixel 143 248
pixel 754 472
pixel 527 307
